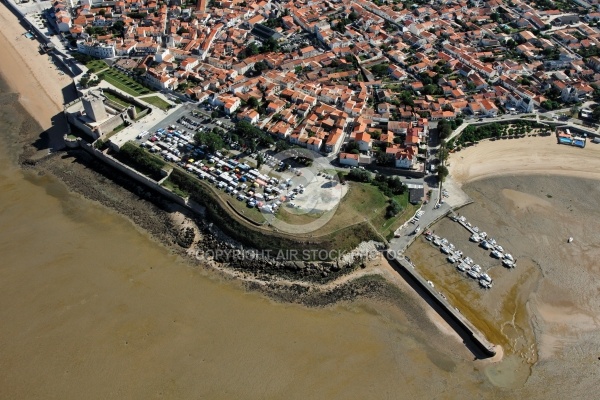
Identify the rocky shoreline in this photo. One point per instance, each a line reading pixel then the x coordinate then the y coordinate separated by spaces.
pixel 192 237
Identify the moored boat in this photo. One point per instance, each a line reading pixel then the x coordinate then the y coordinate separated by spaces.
pixel 486 245
pixel 485 284
pixel 509 263
pixel 473 274
pixel 475 238
pixel 497 254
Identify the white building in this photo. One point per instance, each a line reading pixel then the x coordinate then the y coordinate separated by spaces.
pixel 96 49
pixel 349 159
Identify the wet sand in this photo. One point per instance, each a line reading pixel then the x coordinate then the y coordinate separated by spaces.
pixel 544 313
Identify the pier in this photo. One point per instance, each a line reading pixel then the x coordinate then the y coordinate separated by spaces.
pixel 475 340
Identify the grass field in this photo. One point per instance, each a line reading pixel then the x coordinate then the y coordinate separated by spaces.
pixel 157 102
pixel 96 65
pixel 121 101
pixel 124 83
pixel 363 203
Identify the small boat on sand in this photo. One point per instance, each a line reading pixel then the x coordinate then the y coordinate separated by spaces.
pixel 475 238
pixel 497 254
pixel 485 284
pixel 473 274
pixel 486 245
pixel 509 263
pixel 451 259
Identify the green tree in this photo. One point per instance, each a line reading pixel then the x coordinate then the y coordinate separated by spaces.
pixel 253 103
pixel 211 140
pixel 393 209
pixel 359 175
pixel 260 66
pixel 430 89
pixel 442 172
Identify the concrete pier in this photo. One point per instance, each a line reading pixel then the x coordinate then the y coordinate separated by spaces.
pixel 473 338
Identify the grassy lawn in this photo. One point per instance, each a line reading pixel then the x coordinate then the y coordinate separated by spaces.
pixel 174 188
pixel 122 101
pixel 124 83
pixel 363 202
pixel 157 102
pixel 117 99
pixel 96 65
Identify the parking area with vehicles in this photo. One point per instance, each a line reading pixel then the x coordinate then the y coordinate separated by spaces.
pixel 259 183
pixel 276 183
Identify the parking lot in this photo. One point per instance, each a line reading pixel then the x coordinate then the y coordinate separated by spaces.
pixel 301 189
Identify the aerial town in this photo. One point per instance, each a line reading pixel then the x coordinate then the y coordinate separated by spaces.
pixel 201 98
pixel 427 170
pixel 321 74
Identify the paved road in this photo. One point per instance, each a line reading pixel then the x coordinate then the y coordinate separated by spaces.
pixel 406 231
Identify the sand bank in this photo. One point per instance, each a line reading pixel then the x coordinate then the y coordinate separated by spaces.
pixel 24 68
pixel 530 155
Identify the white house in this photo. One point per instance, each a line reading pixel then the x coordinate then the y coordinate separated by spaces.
pixel 405 157
pixel 314 143
pixel 349 159
pixel 364 142
pixel 96 49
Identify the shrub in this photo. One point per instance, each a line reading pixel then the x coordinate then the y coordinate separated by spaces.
pixel 393 209
pixel 142 161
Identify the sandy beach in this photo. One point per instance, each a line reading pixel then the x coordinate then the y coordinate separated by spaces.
pixel 529 155
pixel 530 194
pixel 24 68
